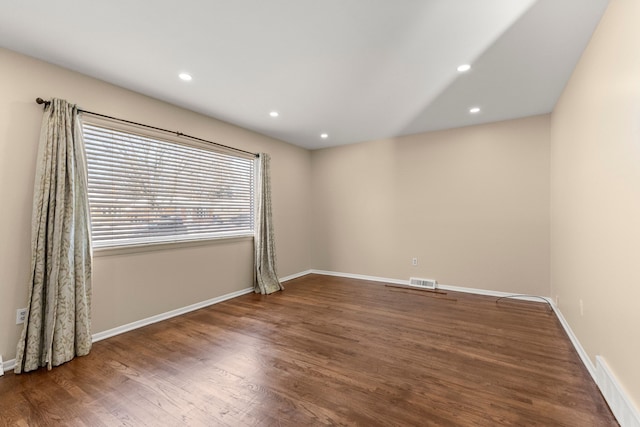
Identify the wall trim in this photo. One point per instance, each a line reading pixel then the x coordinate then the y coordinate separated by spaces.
pixel 360 276
pixel 295 276
pixel 167 315
pixel 440 286
pixel 9 365
pixel 617 398
pixel 99 336
pixel 582 353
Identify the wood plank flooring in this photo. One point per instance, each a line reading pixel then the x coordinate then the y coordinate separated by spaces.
pixel 326 351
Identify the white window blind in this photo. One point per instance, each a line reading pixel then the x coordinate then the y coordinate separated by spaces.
pixel 144 190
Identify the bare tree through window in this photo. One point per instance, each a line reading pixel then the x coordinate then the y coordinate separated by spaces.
pixel 143 188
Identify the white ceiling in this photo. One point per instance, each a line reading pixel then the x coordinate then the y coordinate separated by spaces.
pixel 356 69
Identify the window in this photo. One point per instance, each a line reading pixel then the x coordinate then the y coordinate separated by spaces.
pixel 144 189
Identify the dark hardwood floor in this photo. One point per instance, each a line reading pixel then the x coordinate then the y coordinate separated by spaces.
pixel 327 350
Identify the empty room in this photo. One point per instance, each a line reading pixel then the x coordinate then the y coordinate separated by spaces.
pixel 339 212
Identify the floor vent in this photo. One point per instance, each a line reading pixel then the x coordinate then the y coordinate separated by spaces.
pixel 423 283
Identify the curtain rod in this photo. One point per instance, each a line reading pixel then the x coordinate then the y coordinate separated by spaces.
pixel 46 104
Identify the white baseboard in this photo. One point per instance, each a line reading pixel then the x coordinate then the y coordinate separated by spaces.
pixel 586 360
pixel 10 364
pixel 360 276
pixel 621 406
pixel 168 315
pixel 295 276
pixel 99 336
pixel 623 409
pixel 177 312
pixel 617 399
pixel 173 313
pixel 440 285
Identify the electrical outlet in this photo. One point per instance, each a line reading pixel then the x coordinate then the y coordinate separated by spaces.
pixel 21 315
pixel 414 261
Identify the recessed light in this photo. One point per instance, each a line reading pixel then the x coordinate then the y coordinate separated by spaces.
pixel 324 135
pixel 184 76
pixel 464 68
pixel 274 114
pixel 474 110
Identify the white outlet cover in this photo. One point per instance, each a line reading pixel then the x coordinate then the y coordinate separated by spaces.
pixel 21 315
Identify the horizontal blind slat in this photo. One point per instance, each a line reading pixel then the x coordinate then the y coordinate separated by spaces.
pixel 145 190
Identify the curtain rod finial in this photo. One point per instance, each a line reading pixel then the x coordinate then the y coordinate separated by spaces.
pixel 40 101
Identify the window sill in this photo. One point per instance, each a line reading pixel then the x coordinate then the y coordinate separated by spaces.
pixel 163 246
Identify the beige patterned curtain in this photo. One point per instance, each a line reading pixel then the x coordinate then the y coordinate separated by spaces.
pixel 265 249
pixel 58 325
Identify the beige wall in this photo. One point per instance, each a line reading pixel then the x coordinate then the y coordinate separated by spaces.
pixel 129 287
pixel 472 204
pixel 595 198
